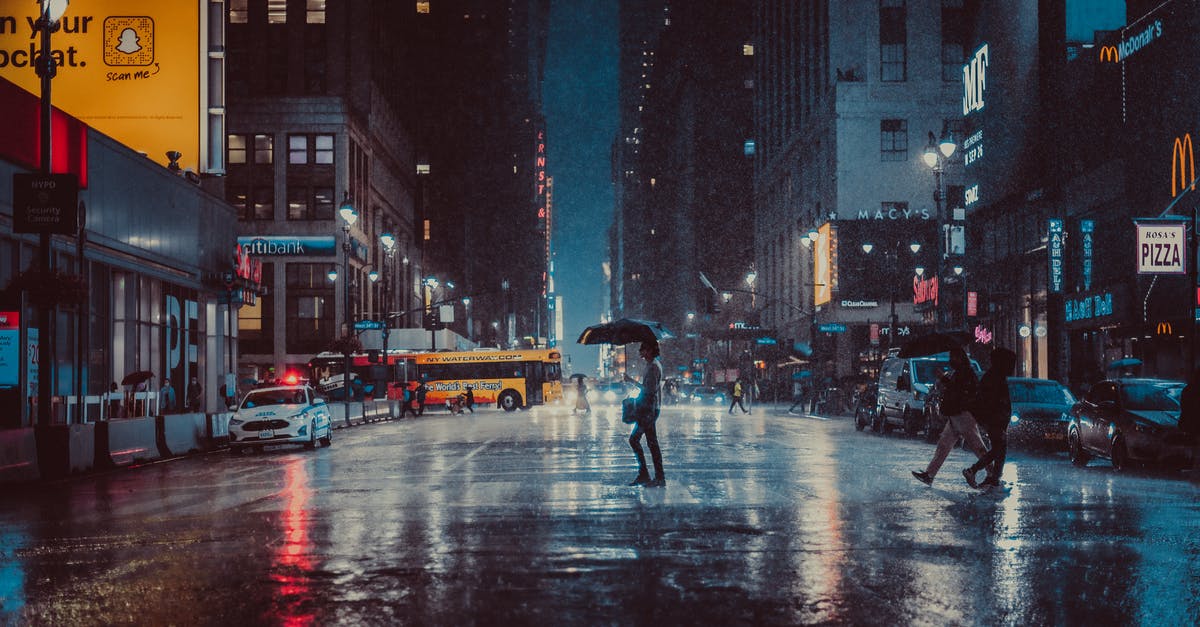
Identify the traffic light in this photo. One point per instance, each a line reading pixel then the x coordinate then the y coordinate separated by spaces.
pixel 712 303
pixel 433 319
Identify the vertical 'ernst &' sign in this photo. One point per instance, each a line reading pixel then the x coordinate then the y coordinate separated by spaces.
pixel 539 169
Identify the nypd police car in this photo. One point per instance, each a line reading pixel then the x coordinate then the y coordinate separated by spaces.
pixel 287 414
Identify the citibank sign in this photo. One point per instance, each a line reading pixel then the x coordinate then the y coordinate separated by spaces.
pixel 289 245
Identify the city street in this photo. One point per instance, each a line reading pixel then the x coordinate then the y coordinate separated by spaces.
pixel 526 518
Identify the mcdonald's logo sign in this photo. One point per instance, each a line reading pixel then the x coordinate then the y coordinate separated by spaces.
pixel 1164 328
pixel 1109 54
pixel 1183 165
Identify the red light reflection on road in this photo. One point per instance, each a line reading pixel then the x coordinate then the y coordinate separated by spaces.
pixel 292 565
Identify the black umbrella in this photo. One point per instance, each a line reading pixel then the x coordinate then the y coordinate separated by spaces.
pixel 579 375
pixel 931 344
pixel 135 378
pixel 624 331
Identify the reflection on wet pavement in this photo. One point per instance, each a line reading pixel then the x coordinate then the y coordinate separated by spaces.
pixel 519 518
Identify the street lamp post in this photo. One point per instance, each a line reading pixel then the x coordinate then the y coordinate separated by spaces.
pixel 937 153
pixel 893 253
pixel 45 67
pixel 389 252
pixel 466 301
pixel 349 217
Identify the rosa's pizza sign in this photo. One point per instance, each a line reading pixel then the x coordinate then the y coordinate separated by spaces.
pixel 1160 248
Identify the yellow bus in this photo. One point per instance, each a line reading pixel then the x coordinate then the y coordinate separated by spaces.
pixel 512 379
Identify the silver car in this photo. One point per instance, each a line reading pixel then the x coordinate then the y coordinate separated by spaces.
pixel 288 414
pixel 1129 421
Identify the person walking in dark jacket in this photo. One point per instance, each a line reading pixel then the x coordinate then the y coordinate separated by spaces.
pixel 992 410
pixel 959 386
pixel 649 404
pixel 422 389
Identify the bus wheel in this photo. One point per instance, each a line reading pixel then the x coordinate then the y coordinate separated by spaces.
pixel 509 401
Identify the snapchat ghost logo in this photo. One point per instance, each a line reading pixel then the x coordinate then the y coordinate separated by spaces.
pixel 128 41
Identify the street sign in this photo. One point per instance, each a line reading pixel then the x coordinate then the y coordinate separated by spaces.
pixel 831 327
pixel 45 203
pixel 766 341
pixel 368 325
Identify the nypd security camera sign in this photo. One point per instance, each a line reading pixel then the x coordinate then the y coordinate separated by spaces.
pixel 1161 247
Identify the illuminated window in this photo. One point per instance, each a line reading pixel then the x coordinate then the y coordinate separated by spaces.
pixel 426 229
pixel 422 7
pixel 263 148
pixel 264 203
pixel 297 149
pixel 323 145
pixel 893 140
pixel 314 12
pixel 748 49
pixel 297 203
pixel 237 12
pixel 749 147
pixel 423 168
pixel 236 149
pixel 893 41
pixel 276 11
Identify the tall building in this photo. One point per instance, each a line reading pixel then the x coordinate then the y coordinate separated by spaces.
pixel 316 121
pixel 847 95
pixel 640 25
pixel 481 139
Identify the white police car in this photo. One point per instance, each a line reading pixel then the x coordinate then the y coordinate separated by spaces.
pixel 287 414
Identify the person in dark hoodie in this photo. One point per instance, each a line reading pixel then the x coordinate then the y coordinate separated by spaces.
pixel 992 409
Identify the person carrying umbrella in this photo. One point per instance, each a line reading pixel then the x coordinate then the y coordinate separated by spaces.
pixel 581 399
pixel 649 403
pixel 959 387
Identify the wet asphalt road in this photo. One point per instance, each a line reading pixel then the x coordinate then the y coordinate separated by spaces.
pixel 525 518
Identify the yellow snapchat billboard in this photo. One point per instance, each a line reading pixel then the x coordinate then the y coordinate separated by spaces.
pixel 130 69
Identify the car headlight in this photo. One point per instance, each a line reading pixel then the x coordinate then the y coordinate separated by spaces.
pixel 1112 428
pixel 1015 418
pixel 920 396
pixel 635 392
pixel 236 421
pixel 610 396
pixel 720 399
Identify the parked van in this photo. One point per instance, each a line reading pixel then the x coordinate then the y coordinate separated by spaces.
pixel 904 387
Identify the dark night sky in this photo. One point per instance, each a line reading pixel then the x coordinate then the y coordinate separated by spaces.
pixel 580 93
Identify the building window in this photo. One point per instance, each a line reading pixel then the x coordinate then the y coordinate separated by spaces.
pixel 893 140
pixel 264 203
pixel 236 196
pixel 748 49
pixel 748 147
pixel 237 12
pixel 263 148
pixel 310 203
pixel 297 203
pixel 323 149
pixel 277 11
pixel 309 307
pixel 297 149
pixel 235 146
pixel 893 41
pixel 423 7
pixel 953 40
pixel 315 12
